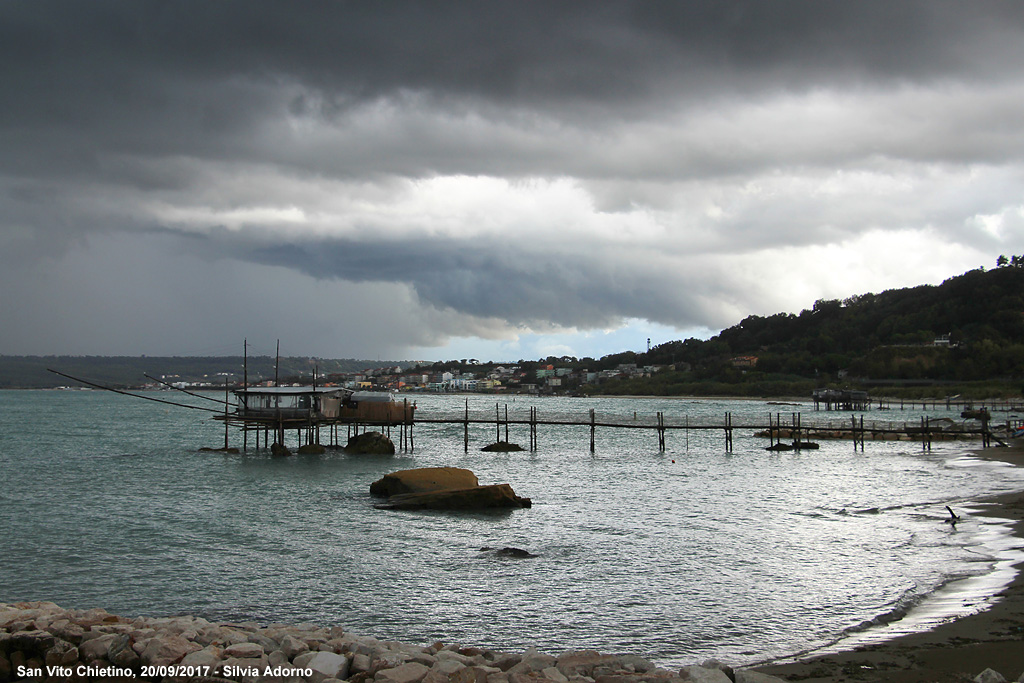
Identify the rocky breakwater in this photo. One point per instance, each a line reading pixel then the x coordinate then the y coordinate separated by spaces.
pixel 42 641
pixel 443 488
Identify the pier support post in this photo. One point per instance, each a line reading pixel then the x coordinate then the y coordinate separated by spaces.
pixel 661 432
pixel 533 428
pixel 728 432
pixel 592 428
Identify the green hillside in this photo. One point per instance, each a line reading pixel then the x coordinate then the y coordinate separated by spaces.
pixel 966 335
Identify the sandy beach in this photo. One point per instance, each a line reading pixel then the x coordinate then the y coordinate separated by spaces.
pixel 955 651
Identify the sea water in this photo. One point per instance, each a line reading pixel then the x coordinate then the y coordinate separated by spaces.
pixel 677 555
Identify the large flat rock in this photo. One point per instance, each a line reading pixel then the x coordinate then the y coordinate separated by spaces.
pixel 423 480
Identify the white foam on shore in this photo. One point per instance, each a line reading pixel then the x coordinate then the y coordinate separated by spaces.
pixel 997 545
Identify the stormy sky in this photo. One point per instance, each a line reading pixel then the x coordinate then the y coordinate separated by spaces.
pixel 494 180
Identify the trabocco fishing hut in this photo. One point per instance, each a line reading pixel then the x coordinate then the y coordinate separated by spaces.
pixel 274 410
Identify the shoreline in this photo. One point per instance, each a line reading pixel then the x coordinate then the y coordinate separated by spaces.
pixel 951 652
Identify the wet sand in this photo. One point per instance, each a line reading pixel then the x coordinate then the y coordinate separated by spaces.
pixel 955 651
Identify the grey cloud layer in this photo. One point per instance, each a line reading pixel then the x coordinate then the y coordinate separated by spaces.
pixel 665 140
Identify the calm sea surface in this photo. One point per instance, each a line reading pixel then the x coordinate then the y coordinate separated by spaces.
pixel 105 501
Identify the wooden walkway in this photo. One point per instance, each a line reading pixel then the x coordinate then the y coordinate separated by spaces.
pixel 782 434
pixel 780 429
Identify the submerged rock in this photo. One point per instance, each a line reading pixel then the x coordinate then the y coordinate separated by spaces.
pixel 508 551
pixel 473 498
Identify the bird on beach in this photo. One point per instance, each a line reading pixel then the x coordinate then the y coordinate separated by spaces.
pixel 953 518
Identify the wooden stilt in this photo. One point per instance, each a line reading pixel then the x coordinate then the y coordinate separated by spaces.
pixel 592 429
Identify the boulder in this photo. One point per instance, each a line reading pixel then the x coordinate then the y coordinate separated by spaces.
pixel 62 653
pixel 751 676
pixel 474 498
pixel 373 443
pixel 532 661
pixel 209 656
pixel 553 674
pixel 470 674
pixel 724 668
pixel 327 665
pixel 989 676
pixel 96 648
pixel 120 652
pixel 701 675
pixel 244 650
pixel 424 480
pixel 167 649
pixel 292 646
pixel 312 449
pixel 582 662
pixel 410 672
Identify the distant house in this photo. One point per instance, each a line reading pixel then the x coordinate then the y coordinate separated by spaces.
pixel 744 361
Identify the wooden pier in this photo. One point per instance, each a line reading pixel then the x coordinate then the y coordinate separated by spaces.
pixel 315 413
pixel 789 429
pixel 782 431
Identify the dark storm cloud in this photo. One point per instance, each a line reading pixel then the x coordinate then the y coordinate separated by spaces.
pixel 525 287
pixel 512 163
pixel 122 66
pixel 502 49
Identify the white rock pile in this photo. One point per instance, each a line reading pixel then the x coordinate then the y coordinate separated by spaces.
pixel 42 641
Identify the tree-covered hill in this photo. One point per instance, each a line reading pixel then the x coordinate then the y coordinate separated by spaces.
pixel 969 329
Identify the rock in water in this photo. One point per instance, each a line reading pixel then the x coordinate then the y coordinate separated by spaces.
pixel 443 488
pixel 502 447
pixel 373 443
pixel 474 498
pixel 423 480
pixel 312 449
pixel 508 551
